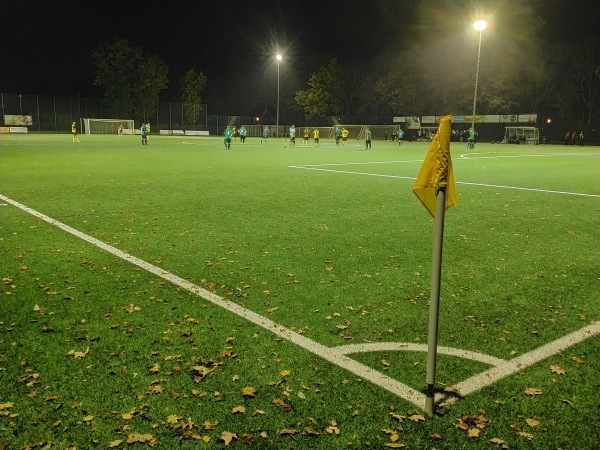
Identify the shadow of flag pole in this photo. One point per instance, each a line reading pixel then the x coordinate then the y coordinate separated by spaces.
pixel 436 190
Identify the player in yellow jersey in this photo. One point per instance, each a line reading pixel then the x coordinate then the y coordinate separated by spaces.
pixel 344 136
pixel 316 136
pixel 147 132
pixel 305 137
pixel 74 132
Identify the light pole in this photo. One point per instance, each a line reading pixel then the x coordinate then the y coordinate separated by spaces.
pixel 279 58
pixel 480 25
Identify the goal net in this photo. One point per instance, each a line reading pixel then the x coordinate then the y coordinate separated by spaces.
pixel 108 126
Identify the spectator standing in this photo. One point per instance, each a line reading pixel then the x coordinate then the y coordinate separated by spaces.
pixel 581 138
pixel 567 138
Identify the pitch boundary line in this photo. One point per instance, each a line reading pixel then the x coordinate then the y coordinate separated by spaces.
pixel 337 355
pixel 466 183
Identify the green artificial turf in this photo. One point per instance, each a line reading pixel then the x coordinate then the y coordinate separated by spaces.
pixel 95 350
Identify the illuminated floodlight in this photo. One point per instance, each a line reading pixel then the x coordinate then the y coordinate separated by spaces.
pixel 480 25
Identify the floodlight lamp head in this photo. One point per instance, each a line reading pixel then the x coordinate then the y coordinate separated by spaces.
pixel 480 25
pixel 279 57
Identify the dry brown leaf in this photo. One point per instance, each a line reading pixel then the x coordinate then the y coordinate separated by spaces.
pixel 557 369
pixel 207 425
pixel 436 437
pixel 417 418
pixel 527 436
pixel 114 444
pixel 577 360
pixel 394 445
pixel 285 373
pixel 249 391
pixel 227 437
pixel 474 432
pixel 532 422
pixel 533 391
pixel 288 432
pixel 88 418
pixel 238 410
pixel 499 442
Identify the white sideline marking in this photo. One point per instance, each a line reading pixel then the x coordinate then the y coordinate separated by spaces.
pixel 361 370
pixel 498 186
pixel 337 355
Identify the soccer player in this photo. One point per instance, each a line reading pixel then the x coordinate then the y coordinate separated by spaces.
pixel 227 138
pixel 400 136
pixel 292 135
pixel 242 132
pixel 305 137
pixel 265 135
pixel 337 135
pixel 234 134
pixel 144 133
pixel 471 139
pixel 147 132
pixel 120 129
pixel 74 132
pixel 316 137
pixel 368 139
pixel 344 135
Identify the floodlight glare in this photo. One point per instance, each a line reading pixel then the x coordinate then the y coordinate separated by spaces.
pixel 480 25
pixel 279 58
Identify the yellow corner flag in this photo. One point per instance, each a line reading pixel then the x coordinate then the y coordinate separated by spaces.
pixel 437 170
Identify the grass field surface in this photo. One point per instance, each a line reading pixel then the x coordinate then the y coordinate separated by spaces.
pixel 180 295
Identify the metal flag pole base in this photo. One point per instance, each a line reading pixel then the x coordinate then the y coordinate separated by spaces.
pixel 434 299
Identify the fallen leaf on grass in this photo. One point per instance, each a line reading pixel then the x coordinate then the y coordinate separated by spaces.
pixel 6 405
pixel 394 445
pixel 557 369
pixel 527 436
pixel 288 432
pixel 499 442
pixel 77 354
pixel 249 391
pixel 137 437
pixel 173 418
pixel 285 373
pixel 417 418
pixel 532 422
pixel 227 437
pixel 474 432
pixel 533 391
pixel 131 308
pixel 238 410
pixel 114 444
pixel 207 425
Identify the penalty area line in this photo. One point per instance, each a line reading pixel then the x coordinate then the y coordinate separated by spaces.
pixel 466 183
pixel 331 355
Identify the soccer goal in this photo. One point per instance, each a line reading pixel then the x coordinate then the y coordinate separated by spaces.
pixel 108 126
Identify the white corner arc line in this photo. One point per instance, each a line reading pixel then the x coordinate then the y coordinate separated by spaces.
pixel 488 377
pixel 395 387
pixel 411 347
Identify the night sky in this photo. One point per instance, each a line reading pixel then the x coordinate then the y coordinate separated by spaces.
pixel 47 44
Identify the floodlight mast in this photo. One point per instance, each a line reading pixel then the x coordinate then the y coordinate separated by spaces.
pixel 480 25
pixel 279 58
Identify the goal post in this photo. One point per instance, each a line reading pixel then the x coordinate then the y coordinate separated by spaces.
pixel 108 126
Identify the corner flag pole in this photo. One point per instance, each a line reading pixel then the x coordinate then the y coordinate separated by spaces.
pixel 434 298
pixel 436 190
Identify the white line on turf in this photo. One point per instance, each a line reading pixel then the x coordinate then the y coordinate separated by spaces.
pixel 337 355
pixel 361 370
pixel 495 374
pixel 497 186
